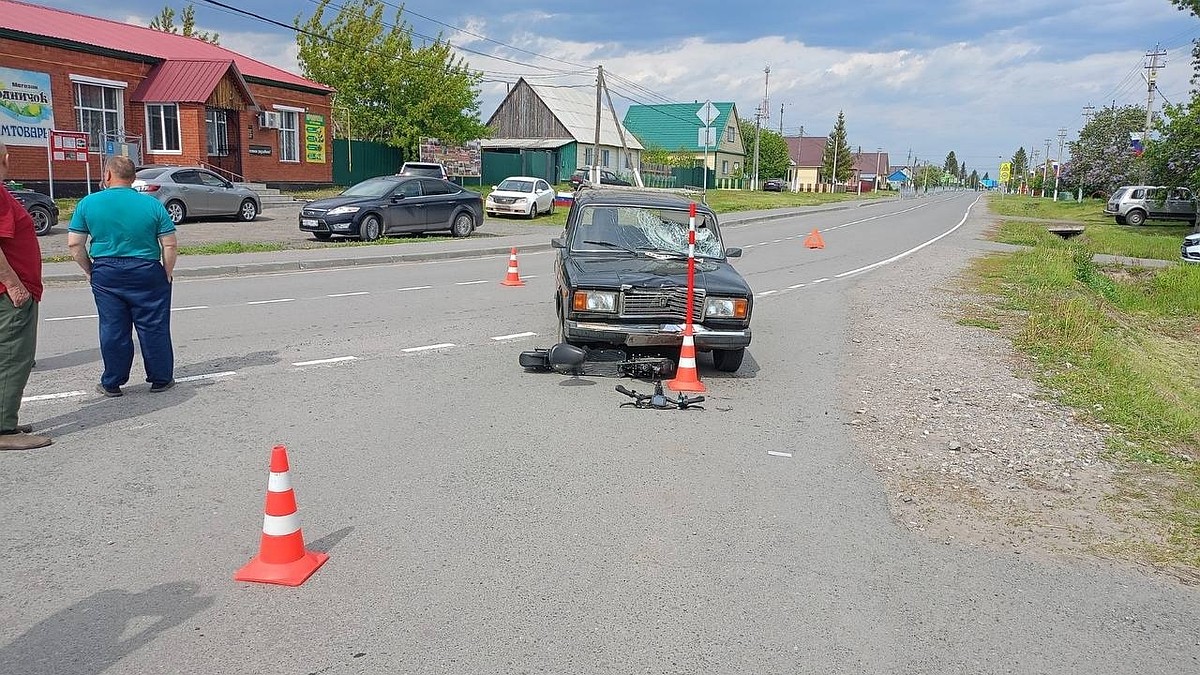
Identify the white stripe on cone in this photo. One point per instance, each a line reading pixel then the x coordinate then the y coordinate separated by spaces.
pixel 687 362
pixel 279 482
pixel 278 526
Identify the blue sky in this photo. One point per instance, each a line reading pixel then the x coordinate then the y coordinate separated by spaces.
pixel 977 77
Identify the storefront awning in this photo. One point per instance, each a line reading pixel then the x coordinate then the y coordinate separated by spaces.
pixel 186 81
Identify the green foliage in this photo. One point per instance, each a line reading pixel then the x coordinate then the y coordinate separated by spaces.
pixel 165 22
pixel 773 159
pixel 951 164
pixel 393 91
pixel 837 149
pixel 973 180
pixel 1174 157
pixel 656 155
pixel 1192 6
pixel 1020 163
pixel 1101 160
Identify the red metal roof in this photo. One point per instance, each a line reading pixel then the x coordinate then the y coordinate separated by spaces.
pixel 89 30
pixel 187 82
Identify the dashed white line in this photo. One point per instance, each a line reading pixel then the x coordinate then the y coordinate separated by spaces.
pixel 779 454
pixel 188 309
pixel 52 397
pixel 426 348
pixel 514 336
pixel 821 280
pixel 72 318
pixel 414 288
pixel 206 376
pixel 776 241
pixel 765 294
pixel 529 276
pixel 318 362
pixel 762 243
pixel 471 283
pixel 269 302
pixel 795 286
pixel 913 249
pixel 347 295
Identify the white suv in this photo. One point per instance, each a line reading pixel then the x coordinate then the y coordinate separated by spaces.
pixel 427 169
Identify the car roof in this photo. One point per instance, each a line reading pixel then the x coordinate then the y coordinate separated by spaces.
pixel 523 178
pixel 635 197
pixel 429 164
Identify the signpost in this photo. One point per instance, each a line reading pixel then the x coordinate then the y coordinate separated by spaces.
pixel 68 146
pixel 707 113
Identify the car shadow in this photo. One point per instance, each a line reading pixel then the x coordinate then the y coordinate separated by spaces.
pixel 707 368
pixel 95 633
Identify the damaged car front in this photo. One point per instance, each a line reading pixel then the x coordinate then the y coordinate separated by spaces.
pixel 622 277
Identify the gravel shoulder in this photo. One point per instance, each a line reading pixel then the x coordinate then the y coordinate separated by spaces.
pixel 969 447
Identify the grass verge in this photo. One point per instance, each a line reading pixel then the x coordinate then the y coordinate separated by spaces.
pixel 1121 346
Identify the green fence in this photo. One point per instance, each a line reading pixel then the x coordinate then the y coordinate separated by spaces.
pixel 355 161
pixel 500 165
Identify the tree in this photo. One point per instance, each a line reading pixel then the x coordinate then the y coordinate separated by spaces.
pixel 394 92
pixel 773 158
pixel 837 150
pixel 1101 158
pixel 973 180
pixel 1192 6
pixel 1020 162
pixel 962 172
pixel 1174 158
pixel 951 164
pixel 165 22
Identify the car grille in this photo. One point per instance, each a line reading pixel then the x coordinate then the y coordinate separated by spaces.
pixel 504 200
pixel 312 213
pixel 665 303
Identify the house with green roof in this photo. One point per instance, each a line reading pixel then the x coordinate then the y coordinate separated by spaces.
pixel 676 127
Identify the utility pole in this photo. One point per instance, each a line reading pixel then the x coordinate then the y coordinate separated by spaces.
pixel 1089 111
pixel 764 112
pixel 799 154
pixel 1045 165
pixel 857 171
pixel 1062 139
pixel 878 157
pixel 595 172
pixel 1151 83
pixel 781 118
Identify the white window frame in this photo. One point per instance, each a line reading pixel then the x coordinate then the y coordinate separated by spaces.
pixel 731 134
pixel 587 156
pixel 119 110
pixel 284 131
pixel 150 149
pixel 605 157
pixel 219 123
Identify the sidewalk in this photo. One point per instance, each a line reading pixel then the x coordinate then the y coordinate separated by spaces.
pixel 500 237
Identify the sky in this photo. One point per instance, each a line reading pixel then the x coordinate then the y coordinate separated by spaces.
pixel 977 77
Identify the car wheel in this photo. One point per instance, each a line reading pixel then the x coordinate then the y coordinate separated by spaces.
pixel 249 210
pixel 1135 218
pixel 323 236
pixel 728 360
pixel 562 324
pixel 177 211
pixel 369 229
pixel 550 212
pixel 463 225
pixel 1121 220
pixel 41 220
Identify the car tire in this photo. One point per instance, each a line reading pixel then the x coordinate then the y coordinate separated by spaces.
pixel 177 211
pixel 42 222
pixel 550 212
pixel 248 211
pixel 728 360
pixel 1135 218
pixel 462 225
pixel 370 229
pixel 1121 220
pixel 322 236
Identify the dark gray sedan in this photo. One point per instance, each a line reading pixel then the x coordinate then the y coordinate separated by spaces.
pixel 388 205
pixel 194 192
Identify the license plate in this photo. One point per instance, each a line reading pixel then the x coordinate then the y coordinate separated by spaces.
pixel 308 222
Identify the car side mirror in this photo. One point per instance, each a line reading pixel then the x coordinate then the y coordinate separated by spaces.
pixel 558 242
pixel 397 197
pixel 733 252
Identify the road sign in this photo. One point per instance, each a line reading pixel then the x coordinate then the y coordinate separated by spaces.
pixel 705 137
pixel 1005 172
pixel 707 113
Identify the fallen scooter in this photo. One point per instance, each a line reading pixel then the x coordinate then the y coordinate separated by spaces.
pixel 568 359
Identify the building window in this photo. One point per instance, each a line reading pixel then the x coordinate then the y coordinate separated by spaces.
pixel 98 111
pixel 216 124
pixel 730 134
pixel 587 156
pixel 604 158
pixel 725 167
pixel 289 136
pixel 162 127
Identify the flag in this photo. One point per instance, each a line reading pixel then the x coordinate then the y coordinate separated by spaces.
pixel 1135 144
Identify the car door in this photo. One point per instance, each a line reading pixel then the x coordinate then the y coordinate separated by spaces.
pixel 225 201
pixel 544 195
pixel 403 209
pixel 192 192
pixel 1182 205
pixel 439 202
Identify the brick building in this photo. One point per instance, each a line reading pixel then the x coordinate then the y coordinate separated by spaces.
pixel 158 97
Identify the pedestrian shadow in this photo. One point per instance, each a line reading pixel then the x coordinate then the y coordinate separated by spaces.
pixel 81 357
pixel 96 633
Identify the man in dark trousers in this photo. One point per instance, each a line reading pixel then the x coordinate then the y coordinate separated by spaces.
pixel 20 293
pixel 130 263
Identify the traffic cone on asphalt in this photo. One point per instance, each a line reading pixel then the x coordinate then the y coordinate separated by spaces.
pixel 281 557
pixel 814 240
pixel 514 277
pixel 686 377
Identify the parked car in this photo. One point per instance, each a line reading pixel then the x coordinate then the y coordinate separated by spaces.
pixel 192 191
pixel 1190 251
pixel 774 185
pixel 521 195
pixel 428 169
pixel 607 177
pixel 622 277
pixel 388 205
pixel 41 208
pixel 1135 204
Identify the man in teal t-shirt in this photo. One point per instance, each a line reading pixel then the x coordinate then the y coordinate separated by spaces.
pixel 130 262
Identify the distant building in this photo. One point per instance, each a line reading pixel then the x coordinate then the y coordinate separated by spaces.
pixel 676 127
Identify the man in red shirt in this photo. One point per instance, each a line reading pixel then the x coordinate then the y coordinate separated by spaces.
pixel 20 293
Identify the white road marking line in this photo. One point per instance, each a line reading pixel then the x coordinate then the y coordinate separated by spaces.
pixel 514 336
pixel 206 376
pixel 412 350
pixel 188 309
pixel 471 283
pixel 750 245
pixel 347 295
pixel 795 286
pixel 414 288
pixel 776 241
pixel 910 251
pixel 765 294
pixel 52 397
pixel 268 302
pixel 72 318
pixel 821 280
pixel 529 276
pixel 779 454
pixel 318 362
pixel 762 243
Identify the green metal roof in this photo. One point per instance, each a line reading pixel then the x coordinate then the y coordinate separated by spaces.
pixel 674 126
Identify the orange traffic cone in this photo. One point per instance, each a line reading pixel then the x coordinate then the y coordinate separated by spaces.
pixel 281 556
pixel 514 277
pixel 686 376
pixel 814 240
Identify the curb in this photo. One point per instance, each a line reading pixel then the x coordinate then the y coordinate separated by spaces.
pixel 395 258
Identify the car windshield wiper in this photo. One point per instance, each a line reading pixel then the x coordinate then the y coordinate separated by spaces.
pixel 661 253
pixel 609 244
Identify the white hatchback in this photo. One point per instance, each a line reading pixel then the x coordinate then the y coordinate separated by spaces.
pixel 521 195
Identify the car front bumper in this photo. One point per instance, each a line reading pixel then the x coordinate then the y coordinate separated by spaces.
pixel 335 225
pixel 655 335
pixel 507 208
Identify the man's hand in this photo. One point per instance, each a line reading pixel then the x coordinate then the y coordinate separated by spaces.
pixel 18 294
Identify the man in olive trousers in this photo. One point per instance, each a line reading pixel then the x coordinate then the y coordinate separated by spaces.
pixel 20 293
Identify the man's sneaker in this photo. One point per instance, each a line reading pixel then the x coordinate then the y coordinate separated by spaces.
pixel 162 387
pixel 19 429
pixel 111 393
pixel 23 442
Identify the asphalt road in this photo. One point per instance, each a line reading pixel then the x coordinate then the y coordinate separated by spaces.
pixel 482 519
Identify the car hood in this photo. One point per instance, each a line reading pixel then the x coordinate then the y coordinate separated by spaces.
pixel 334 202
pixel 718 277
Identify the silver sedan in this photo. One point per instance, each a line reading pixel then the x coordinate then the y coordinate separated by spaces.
pixel 193 192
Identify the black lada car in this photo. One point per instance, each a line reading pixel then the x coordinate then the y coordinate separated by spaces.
pixel 622 276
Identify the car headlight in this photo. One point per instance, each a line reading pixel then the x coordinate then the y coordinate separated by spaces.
pixel 595 301
pixel 343 210
pixel 725 308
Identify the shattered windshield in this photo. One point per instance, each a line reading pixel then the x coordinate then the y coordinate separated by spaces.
pixel 644 230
